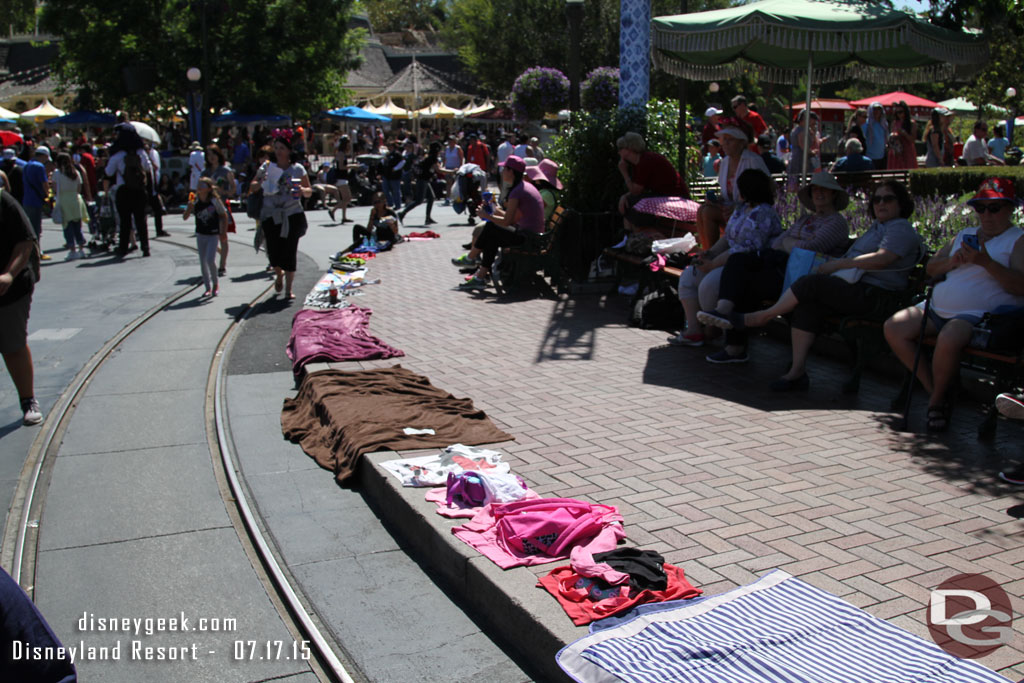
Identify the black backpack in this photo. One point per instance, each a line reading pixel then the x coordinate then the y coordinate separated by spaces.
pixel 659 310
pixel 135 177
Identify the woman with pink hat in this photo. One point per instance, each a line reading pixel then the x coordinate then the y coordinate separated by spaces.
pixel 544 177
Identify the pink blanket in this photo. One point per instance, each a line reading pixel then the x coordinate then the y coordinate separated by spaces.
pixel 334 335
pixel 675 208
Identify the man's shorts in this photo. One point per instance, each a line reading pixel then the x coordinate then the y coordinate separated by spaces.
pixel 14 325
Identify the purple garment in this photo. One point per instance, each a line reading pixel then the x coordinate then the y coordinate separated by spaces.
pixel 751 228
pixel 531 205
pixel 334 335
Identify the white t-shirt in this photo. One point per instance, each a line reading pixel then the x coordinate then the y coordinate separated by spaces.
pixel 196 163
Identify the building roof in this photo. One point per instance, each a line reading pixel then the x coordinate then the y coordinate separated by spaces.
pixel 419 78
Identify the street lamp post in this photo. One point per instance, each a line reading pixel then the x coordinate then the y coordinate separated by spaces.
pixel 195 104
pixel 1011 95
pixel 574 13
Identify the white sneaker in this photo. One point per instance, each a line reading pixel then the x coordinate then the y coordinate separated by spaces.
pixel 33 415
pixel 1010 406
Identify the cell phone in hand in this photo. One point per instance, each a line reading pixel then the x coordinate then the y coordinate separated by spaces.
pixel 971 241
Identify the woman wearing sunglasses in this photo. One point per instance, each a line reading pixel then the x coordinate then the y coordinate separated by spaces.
pixel 984 271
pixel 880 259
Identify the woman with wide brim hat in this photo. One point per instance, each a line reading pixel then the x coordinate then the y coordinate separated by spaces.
pixel 750 278
pixel 544 176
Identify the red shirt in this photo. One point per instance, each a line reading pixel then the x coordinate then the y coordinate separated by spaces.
pixel 759 126
pixel 89 166
pixel 477 153
pixel 658 176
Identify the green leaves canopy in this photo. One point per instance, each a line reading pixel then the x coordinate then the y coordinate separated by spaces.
pixel 267 56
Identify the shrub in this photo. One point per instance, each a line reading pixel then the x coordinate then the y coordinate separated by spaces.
pixel 600 89
pixel 589 159
pixel 961 180
pixel 539 90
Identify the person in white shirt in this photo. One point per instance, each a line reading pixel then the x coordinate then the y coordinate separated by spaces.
pixel 976 150
pixel 130 185
pixel 196 164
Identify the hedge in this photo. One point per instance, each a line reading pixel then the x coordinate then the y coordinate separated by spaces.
pixel 956 182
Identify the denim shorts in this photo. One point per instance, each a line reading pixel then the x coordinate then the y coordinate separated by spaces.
pixel 940 322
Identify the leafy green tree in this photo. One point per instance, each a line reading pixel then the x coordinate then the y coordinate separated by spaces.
pixel 395 15
pixel 267 56
pixel 19 15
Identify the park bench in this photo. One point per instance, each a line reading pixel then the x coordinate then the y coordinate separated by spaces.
pixel 538 257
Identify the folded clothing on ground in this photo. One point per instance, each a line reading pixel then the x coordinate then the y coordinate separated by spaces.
pixel 777 630
pixel 586 599
pixel 529 532
pixel 337 416
pixel 433 470
pixel 334 336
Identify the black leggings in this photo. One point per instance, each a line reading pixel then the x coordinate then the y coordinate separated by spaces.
pixel 131 206
pixel 492 238
pixel 821 296
pixel 748 279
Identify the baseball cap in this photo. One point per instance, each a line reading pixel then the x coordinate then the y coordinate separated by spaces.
pixel 712 111
pixel 9 153
pixel 43 151
pixel 995 188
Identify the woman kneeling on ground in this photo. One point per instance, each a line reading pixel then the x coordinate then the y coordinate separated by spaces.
pixel 523 213
pixel 751 227
pixel 752 277
pixel 880 259
pixel 984 271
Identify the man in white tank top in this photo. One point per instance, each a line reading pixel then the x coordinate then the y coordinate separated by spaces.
pixel 453 159
pixel 983 269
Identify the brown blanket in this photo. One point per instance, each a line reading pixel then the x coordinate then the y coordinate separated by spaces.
pixel 337 416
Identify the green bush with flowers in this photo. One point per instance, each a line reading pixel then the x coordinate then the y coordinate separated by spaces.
pixel 588 157
pixel 537 91
pixel 600 89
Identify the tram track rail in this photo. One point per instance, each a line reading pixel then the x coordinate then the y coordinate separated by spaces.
pixel 21 532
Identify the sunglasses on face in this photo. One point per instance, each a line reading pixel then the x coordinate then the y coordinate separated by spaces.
pixel 991 208
pixel 883 198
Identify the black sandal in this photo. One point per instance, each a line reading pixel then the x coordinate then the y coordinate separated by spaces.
pixel 938 418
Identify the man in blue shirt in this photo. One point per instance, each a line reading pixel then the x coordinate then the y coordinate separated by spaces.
pixel 35 190
pixel 854 160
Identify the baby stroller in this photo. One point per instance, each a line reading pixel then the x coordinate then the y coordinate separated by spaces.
pixel 106 236
pixel 469 178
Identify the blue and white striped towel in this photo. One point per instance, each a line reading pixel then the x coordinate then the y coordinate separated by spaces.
pixel 776 630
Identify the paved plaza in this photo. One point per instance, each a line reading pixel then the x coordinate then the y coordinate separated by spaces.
pixel 707 466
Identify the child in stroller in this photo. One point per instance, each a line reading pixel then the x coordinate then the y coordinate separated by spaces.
pixel 106 236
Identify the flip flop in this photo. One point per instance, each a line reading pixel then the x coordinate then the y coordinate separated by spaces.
pixel 938 418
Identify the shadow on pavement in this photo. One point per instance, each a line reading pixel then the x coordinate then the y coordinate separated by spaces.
pixel 571 333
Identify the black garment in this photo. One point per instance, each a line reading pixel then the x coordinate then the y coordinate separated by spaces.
pixel 643 566
pixel 15 229
pixel 492 238
pixel 384 232
pixel 13 171
pixel 392 159
pixel 131 205
pixel 423 192
pixel 207 218
pixel 823 295
pixel 774 163
pixel 282 250
pixel 158 212
pixel 748 280
pixel 22 622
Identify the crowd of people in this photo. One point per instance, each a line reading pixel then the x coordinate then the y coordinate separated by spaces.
pixel 871 140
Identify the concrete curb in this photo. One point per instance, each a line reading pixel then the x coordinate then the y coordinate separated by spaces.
pixel 510 604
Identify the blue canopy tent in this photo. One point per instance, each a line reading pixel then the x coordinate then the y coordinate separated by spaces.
pixel 250 119
pixel 81 118
pixel 357 114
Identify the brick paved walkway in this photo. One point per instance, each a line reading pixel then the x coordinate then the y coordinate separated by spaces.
pixel 708 467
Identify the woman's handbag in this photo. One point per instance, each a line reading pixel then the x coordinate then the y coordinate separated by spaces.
pixel 254 204
pixel 801 262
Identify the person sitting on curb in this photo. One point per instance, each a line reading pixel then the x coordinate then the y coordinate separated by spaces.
pixel 751 277
pixel 984 270
pixel 382 223
pixel 523 213
pixel 880 259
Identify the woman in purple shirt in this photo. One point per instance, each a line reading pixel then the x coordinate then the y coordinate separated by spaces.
pixel 523 213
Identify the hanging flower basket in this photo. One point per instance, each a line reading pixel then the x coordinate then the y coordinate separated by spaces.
pixel 539 90
pixel 600 89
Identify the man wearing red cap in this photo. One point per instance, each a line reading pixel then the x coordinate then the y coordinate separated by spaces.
pixel 984 271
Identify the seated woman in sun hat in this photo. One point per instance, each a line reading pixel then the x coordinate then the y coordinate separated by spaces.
pixel 984 271
pixel 734 136
pixel 544 177
pixel 752 277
